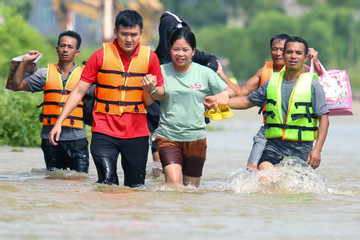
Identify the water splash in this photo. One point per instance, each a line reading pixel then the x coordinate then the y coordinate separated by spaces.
pixel 292 175
pixel 61 174
pixel 154 170
pixel 21 176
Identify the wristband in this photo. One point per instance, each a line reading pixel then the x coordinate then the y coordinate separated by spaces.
pixel 153 91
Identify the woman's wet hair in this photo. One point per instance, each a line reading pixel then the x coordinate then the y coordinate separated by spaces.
pixel 183 33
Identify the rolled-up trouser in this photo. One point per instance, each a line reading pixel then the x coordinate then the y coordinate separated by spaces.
pixel 189 155
pixel 258 146
pixel 105 151
pixel 67 154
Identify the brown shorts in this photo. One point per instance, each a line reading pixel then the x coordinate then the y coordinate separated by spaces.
pixel 190 155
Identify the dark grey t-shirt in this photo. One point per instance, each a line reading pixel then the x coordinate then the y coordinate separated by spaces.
pixel 291 148
pixel 36 83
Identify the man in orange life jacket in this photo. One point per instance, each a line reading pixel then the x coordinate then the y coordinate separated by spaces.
pixel 57 81
pixel 127 77
pixel 264 73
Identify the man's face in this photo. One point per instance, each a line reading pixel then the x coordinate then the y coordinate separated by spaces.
pixel 277 50
pixel 294 56
pixel 128 38
pixel 66 49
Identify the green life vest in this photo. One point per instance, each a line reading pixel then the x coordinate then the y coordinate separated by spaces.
pixel 300 123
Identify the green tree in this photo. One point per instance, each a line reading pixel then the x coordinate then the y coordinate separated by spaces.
pixel 19 122
pixel 250 8
pixel 17 37
pixel 19 115
pixel 262 27
pixel 22 7
pixel 226 42
pixel 199 12
pixel 329 31
pixel 19 118
pixel 333 3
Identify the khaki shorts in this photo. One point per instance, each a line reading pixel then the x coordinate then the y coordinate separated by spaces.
pixel 190 155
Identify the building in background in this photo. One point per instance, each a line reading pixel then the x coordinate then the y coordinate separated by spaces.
pixel 92 19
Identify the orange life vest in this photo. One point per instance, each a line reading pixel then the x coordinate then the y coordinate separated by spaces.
pixel 267 72
pixel 118 91
pixel 56 94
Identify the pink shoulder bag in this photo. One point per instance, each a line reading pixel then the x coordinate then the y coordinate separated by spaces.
pixel 336 85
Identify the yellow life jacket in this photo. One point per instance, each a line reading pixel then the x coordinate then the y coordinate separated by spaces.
pixel 118 91
pixel 56 94
pixel 300 123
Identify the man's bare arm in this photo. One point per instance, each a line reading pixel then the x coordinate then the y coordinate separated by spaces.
pixel 252 84
pixel 19 83
pixel 240 102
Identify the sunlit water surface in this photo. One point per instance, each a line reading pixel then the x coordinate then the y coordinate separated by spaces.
pixel 295 201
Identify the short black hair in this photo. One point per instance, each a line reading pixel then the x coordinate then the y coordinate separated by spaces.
pixel 128 18
pixel 279 37
pixel 184 33
pixel 73 35
pixel 297 39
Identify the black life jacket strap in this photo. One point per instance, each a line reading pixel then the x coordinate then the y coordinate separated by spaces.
pixel 271 101
pixel 124 74
pixel 119 103
pixel 297 116
pixel 121 87
pixel 266 113
pixel 285 126
pixel 307 107
pixel 57 91
pixel 61 104
pixel 269 113
pixel 48 117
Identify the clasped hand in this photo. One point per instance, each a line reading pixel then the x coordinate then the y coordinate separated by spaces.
pixel 148 82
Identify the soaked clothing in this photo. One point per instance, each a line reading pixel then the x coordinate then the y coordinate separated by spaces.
pixel 126 134
pixel 259 140
pixel 258 146
pixel 72 151
pixel 153 112
pixel 105 151
pixel 73 155
pixel 182 128
pixel 278 148
pixel 190 155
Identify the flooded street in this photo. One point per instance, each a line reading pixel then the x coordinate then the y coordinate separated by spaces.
pixel 230 203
